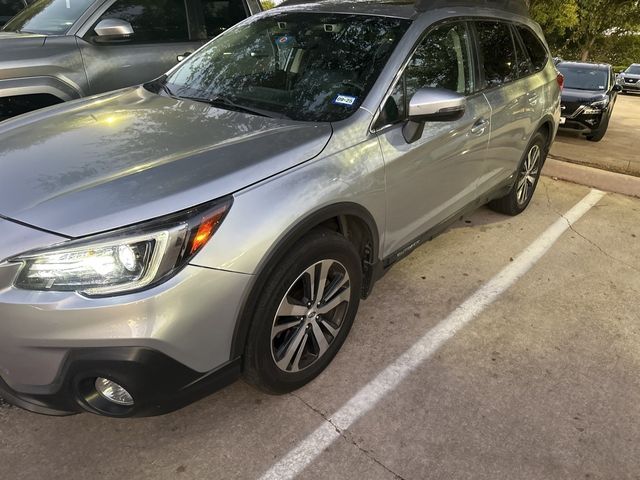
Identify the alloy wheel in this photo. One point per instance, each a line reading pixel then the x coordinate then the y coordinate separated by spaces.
pixel 310 316
pixel 529 175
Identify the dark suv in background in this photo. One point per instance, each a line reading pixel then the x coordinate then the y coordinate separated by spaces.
pixel 56 50
pixel 589 95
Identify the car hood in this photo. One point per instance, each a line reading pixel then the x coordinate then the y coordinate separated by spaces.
pixel 10 40
pixel 125 157
pixel 630 75
pixel 572 95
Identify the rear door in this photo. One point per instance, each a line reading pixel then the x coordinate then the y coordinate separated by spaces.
pixel 163 31
pixel 430 180
pixel 513 96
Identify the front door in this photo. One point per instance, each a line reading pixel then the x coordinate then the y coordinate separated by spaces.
pixel 432 179
pixel 161 34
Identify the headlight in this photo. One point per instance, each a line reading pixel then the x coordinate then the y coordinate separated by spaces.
pixel 122 261
pixel 601 103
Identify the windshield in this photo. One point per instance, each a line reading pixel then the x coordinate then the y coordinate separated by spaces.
pixel 303 66
pixel 582 78
pixel 48 17
pixel 633 70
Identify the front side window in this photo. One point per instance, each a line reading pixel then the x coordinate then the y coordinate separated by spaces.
pixel 498 53
pixel 442 60
pixel 153 21
pixel 48 17
pixel 584 78
pixel 303 66
pixel 219 15
pixel 536 50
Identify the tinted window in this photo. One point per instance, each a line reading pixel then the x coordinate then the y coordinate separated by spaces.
pixel 633 69
pixel 306 66
pixel 584 78
pixel 498 53
pixel 49 17
pixel 221 14
pixel 441 61
pixel 536 50
pixel 153 21
pixel 524 66
pixel 9 8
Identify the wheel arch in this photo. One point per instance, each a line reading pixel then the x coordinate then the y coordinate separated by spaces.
pixel 38 85
pixel 351 220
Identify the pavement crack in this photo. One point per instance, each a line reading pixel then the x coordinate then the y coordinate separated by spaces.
pixel 348 439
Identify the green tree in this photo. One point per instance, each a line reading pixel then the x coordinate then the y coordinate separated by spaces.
pixel 579 27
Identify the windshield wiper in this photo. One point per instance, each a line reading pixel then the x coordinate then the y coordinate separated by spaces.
pixel 224 102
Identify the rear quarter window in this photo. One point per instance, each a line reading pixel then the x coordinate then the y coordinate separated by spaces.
pixel 535 48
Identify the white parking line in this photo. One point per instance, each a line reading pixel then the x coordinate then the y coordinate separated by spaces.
pixel 390 378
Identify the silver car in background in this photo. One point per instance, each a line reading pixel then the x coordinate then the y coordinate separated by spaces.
pixel 226 219
pixel 60 50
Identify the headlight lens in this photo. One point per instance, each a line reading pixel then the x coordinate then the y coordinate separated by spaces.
pixel 122 261
pixel 601 103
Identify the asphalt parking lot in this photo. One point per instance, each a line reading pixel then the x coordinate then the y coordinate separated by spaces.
pixel 541 383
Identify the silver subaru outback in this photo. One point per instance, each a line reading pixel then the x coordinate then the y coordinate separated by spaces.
pixel 227 218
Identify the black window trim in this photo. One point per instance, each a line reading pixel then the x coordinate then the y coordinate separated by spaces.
pixel 400 75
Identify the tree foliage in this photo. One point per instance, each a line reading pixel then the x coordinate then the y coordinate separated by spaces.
pixel 584 28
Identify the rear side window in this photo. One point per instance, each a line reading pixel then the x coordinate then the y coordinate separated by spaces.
pixel 498 53
pixel 536 50
pixel 219 15
pixel 153 21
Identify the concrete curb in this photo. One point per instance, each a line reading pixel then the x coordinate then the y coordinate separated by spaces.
pixel 593 177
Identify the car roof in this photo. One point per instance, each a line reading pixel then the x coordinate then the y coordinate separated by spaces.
pixel 593 66
pixel 407 8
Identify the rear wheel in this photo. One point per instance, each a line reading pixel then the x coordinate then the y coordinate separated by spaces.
pixel 517 200
pixel 304 313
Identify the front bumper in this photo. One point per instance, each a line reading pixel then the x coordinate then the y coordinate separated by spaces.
pixel 157 383
pixel 626 86
pixel 48 340
pixel 583 123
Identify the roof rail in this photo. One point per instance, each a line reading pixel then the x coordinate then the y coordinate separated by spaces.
pixel 514 6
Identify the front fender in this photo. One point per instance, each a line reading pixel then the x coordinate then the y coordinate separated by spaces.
pixel 38 85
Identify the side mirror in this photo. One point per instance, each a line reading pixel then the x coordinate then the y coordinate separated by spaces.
pixel 114 29
pixel 617 88
pixel 432 105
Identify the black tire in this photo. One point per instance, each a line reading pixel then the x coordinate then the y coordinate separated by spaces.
pixel 512 203
pixel 598 135
pixel 260 366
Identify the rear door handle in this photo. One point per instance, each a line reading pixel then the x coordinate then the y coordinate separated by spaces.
pixel 182 57
pixel 480 127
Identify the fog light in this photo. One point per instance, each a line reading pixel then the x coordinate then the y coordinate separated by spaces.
pixel 113 392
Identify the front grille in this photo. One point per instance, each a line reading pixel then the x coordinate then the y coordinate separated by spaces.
pixel 631 80
pixel 569 108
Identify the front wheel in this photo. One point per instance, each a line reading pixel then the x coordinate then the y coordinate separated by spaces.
pixel 304 313
pixel 517 200
pixel 599 134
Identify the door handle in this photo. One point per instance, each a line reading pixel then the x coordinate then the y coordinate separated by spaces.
pixel 180 58
pixel 480 127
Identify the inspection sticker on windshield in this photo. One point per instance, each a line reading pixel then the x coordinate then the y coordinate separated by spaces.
pixel 346 100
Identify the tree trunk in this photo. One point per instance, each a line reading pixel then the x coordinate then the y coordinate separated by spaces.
pixel 585 54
